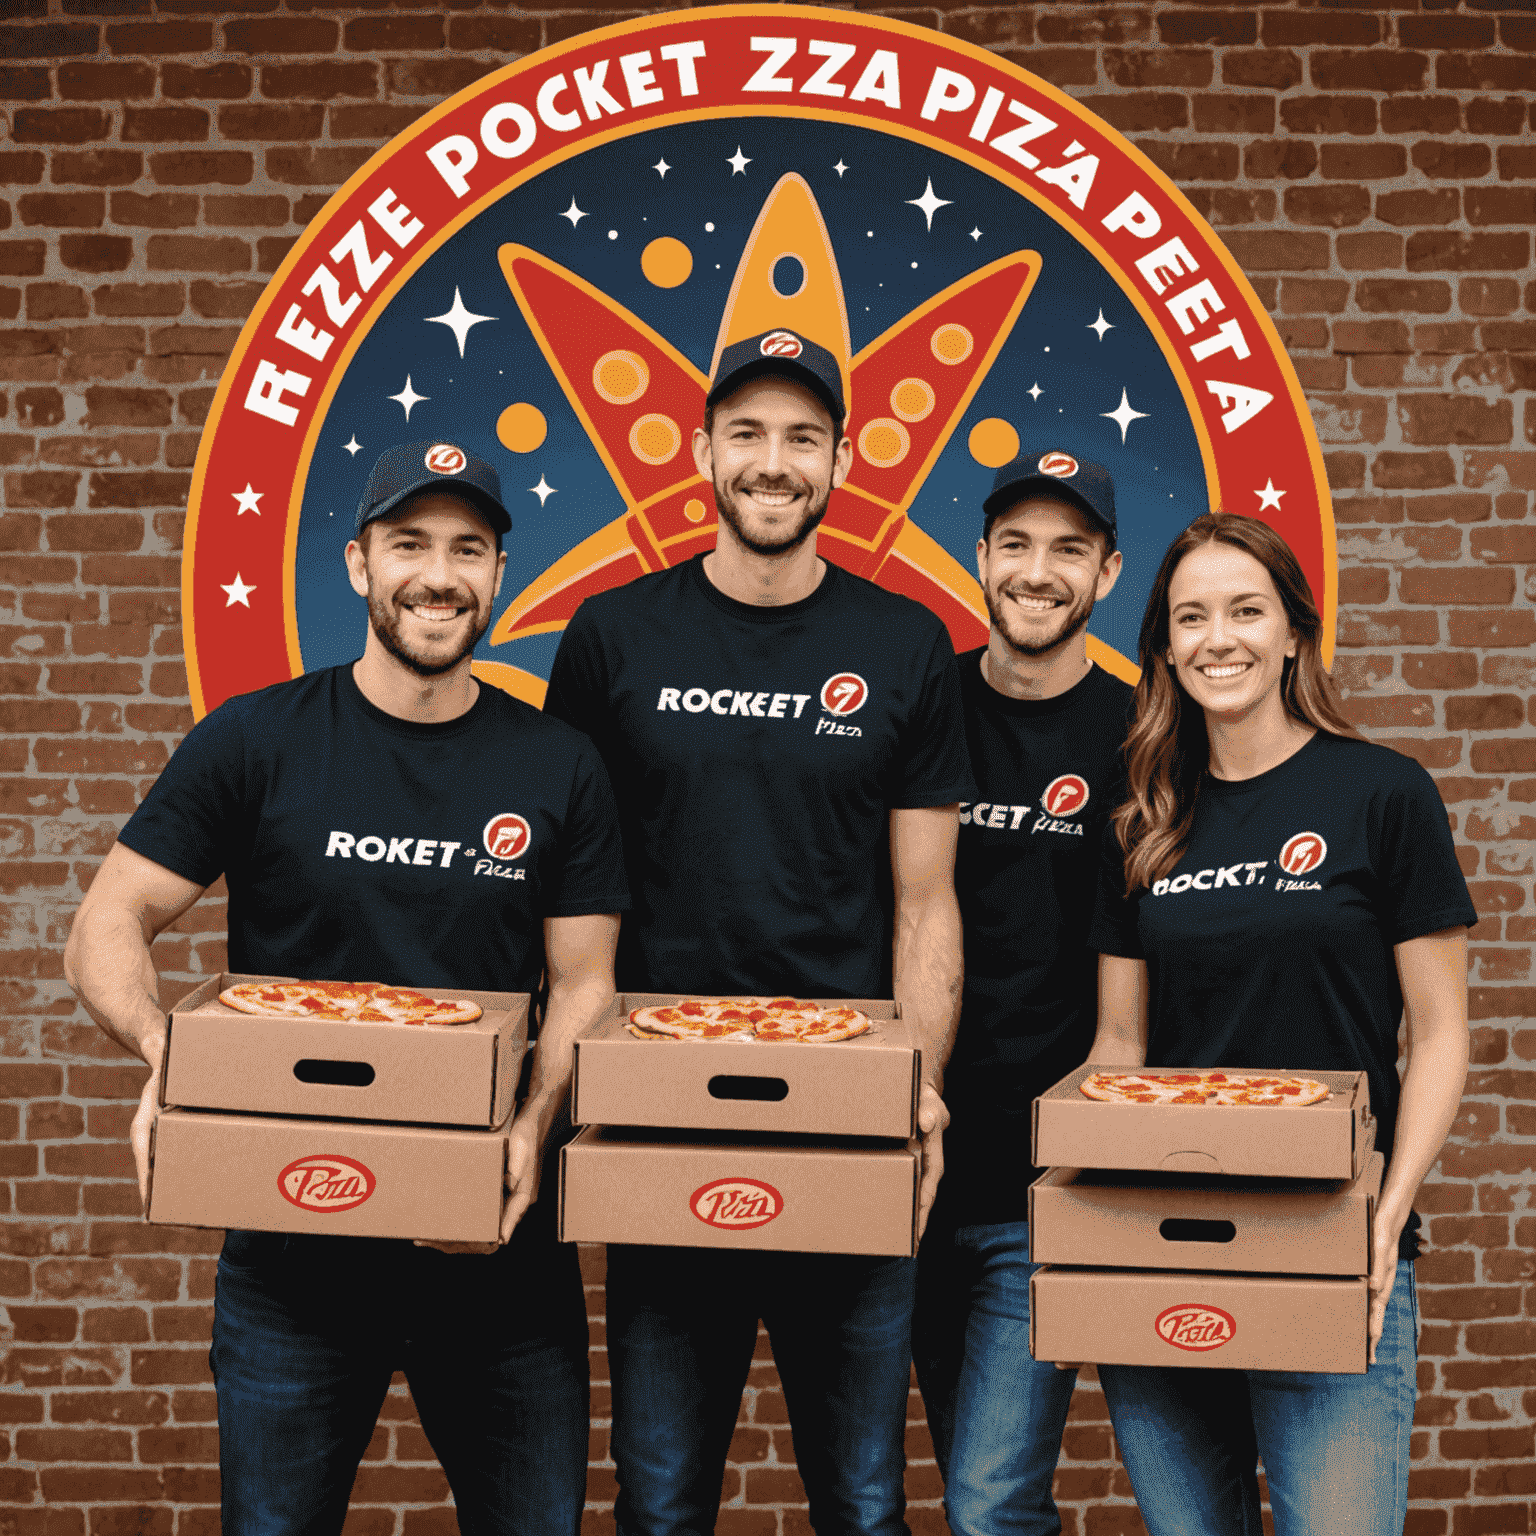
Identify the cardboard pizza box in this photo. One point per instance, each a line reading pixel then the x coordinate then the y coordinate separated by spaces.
pixel 447 1074
pixel 271 1174
pixel 1235 1322
pixel 1328 1140
pixel 1194 1221
pixel 866 1086
pixel 804 1194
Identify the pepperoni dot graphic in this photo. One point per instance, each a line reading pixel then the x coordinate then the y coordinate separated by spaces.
pixel 952 343
pixel 521 428
pixel 913 399
pixel 884 442
pixel 620 377
pixel 693 510
pixel 655 439
pixel 993 442
pixel 666 262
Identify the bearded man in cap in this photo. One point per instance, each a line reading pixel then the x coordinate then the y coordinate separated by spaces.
pixel 1045 728
pixel 786 746
pixel 282 791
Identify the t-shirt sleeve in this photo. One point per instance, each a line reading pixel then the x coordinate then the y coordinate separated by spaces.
pixel 192 811
pixel 1422 888
pixel 1114 931
pixel 577 690
pixel 935 768
pixel 592 873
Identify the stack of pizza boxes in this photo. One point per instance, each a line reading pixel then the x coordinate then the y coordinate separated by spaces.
pixel 336 1126
pixel 745 1143
pixel 1232 1236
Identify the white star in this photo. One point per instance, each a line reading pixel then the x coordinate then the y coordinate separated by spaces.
pixel 574 214
pixel 408 397
pixel 661 167
pixel 238 592
pixel 839 168
pixel 1269 496
pixel 738 162
pixel 929 202
pixel 1100 325
pixel 459 320
pixel 1035 391
pixel 353 447
pixel 543 490
pixel 975 233
pixel 1123 415
pixel 247 500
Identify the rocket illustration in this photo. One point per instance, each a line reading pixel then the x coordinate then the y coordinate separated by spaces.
pixel 639 400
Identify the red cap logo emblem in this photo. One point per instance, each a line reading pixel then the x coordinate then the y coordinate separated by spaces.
pixel 1303 853
pixel 844 693
pixel 737 1204
pixel 506 836
pixel 1195 1327
pixel 445 459
pixel 325 1183
pixel 781 344
pixel 1065 796
pixel 1062 465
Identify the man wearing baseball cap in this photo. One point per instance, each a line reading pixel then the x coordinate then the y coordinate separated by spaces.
pixel 786 747
pixel 1045 727
pixel 359 815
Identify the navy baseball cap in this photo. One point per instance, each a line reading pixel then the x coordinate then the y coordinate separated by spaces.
pixel 432 466
pixel 1054 473
pixel 783 352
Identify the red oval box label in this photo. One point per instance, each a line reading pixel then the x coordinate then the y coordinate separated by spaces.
pixel 1192 1325
pixel 736 1204
pixel 326 1183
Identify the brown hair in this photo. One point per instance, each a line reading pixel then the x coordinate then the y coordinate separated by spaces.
pixel 1167 749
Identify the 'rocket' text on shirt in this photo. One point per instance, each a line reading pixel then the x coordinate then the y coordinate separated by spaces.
pixel 1210 879
pixel 733 701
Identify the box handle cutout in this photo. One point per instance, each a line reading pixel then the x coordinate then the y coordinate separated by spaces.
pixel 1183 1230
pixel 341 1074
pixel 765 1090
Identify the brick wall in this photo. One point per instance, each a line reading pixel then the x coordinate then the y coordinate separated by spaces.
pixel 1373 167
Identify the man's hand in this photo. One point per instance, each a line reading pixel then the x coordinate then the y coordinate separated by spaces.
pixel 932 1117
pixel 144 1120
pixel 525 1166
pixel 1384 1239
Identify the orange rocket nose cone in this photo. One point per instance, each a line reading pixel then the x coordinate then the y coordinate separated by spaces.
pixel 788 277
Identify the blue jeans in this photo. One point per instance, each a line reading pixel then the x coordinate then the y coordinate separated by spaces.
pixel 996 1415
pixel 682 1324
pixel 307 1331
pixel 1335 1448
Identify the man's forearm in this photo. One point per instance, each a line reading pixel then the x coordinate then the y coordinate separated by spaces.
pixel 928 972
pixel 108 963
pixel 571 1009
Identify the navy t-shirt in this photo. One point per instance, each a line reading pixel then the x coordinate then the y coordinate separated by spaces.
pixel 362 847
pixel 1049 773
pixel 756 753
pixel 1269 944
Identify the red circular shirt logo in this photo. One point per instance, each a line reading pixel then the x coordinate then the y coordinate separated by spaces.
pixel 506 836
pixel 1065 796
pixel 325 1183
pixel 780 344
pixel 1062 465
pixel 844 693
pixel 445 459
pixel 1195 1327
pixel 737 1204
pixel 1303 853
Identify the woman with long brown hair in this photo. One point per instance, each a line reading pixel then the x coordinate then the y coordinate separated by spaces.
pixel 1276 893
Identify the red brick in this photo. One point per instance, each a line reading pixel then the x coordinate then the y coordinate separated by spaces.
pixel 56 301
pixel 74 1445
pixel 513 34
pixel 288 34
pixel 225 81
pixel 1335 206
pixel 1348 161
pixel 1328 114
pixel 161 125
pixel 314 165
pixel 318 82
pixel 1141 111
pixel 1449 250
pixel 23 84
pixel 1192 162
pixel 1482 72
pixel 393 34
pixel 1410 471
pixel 1427 419
pixel 18 169
pixel 197 168
pixel 1510 756
pixel 1398 295
pixel 95 253
pixel 1300 29
pixel 139 299
pixel 1419 207
pixel 1149 68
pixel 22 258
pixel 1275 68
pixel 1495 117
pixel 1501 205
pixel 105 82
pixel 76 210
pixel 59 125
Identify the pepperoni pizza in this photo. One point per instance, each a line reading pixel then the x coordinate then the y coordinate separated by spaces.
pixel 1207 1085
pixel 748 1018
pixel 359 1001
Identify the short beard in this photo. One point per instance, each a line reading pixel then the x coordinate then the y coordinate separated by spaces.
pixel 1077 617
pixel 385 621
pixel 725 505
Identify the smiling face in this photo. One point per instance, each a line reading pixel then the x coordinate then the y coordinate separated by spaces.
pixel 1042 568
pixel 1228 634
pixel 774 463
pixel 430 572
